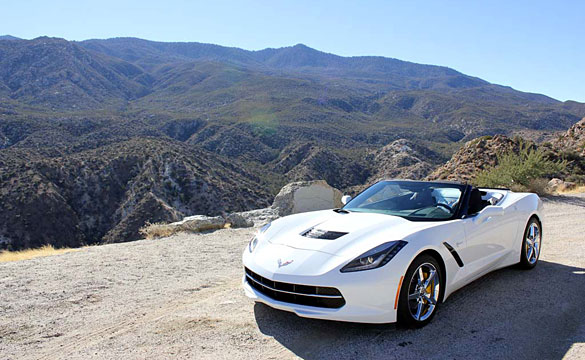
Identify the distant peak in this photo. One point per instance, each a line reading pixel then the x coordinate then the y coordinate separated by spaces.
pixel 49 38
pixel 303 47
pixel 9 37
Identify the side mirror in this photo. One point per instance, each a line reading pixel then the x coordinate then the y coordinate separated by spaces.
pixel 345 199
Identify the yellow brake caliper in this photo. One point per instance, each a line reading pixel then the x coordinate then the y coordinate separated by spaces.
pixel 428 289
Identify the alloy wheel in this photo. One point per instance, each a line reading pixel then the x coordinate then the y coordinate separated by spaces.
pixel 423 292
pixel 533 243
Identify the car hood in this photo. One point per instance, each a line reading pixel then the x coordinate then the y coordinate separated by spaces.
pixel 360 231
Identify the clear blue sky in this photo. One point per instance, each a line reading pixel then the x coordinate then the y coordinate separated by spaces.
pixel 536 46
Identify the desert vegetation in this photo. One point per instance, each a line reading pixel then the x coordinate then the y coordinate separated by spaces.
pixel 529 169
pixel 47 250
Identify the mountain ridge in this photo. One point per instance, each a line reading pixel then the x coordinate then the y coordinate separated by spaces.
pixel 110 134
pixel 9 37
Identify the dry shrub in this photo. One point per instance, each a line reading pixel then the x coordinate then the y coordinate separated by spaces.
pixel 538 186
pixel 158 230
pixel 161 230
pixel 47 250
pixel 575 190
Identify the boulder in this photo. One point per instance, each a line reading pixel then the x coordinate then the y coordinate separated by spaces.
pixel 553 184
pixel 568 185
pixel 238 220
pixel 560 185
pixel 306 196
pixel 259 217
pixel 199 223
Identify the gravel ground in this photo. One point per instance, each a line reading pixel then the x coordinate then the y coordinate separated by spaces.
pixel 180 297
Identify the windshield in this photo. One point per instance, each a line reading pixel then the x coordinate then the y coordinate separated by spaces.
pixel 412 200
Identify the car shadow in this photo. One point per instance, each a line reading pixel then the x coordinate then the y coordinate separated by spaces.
pixel 510 313
pixel 566 199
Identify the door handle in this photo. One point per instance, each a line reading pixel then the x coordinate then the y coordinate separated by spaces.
pixel 459 243
pixel 487 219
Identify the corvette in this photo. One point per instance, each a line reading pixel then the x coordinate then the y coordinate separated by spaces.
pixel 394 253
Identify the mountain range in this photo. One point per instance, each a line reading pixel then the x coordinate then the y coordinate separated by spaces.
pixel 109 134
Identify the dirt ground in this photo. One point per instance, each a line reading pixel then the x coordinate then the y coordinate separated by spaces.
pixel 180 297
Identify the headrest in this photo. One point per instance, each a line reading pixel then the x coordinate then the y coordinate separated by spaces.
pixel 475 202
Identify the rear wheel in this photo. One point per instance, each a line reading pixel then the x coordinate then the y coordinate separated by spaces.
pixel 420 292
pixel 531 244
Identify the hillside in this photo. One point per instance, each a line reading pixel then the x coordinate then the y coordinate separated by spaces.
pixel 481 153
pixel 59 74
pixel 107 194
pixel 242 122
pixel 573 140
pixel 475 156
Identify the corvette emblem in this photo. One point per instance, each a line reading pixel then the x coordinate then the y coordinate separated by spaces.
pixel 285 263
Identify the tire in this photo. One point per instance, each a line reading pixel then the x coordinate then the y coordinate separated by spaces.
pixel 414 313
pixel 531 244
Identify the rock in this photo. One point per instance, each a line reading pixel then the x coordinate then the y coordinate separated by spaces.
pixel 260 217
pixel 560 185
pixel 553 184
pixel 199 223
pixel 237 220
pixel 305 196
pixel 568 185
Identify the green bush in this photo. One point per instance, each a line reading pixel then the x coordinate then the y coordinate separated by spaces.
pixel 521 171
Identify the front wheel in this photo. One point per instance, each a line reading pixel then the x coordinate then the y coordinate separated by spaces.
pixel 420 292
pixel 531 244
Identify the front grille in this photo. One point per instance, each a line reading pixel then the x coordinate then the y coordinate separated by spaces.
pixel 318 296
pixel 322 234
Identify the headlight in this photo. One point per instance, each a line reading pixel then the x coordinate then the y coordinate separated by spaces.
pixel 375 258
pixel 254 241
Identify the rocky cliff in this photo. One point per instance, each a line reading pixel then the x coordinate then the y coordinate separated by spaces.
pixel 573 140
pixel 474 156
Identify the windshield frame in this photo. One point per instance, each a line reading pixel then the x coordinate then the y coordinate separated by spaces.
pixel 456 211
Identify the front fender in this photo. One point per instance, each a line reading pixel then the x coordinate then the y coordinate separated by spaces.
pixel 432 241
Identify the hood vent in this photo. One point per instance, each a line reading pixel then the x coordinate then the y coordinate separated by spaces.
pixel 322 234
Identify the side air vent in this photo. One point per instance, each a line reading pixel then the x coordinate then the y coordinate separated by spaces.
pixel 454 253
pixel 322 234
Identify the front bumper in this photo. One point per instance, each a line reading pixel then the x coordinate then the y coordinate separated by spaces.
pixel 370 296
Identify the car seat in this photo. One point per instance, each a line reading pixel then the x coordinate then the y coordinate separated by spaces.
pixel 476 203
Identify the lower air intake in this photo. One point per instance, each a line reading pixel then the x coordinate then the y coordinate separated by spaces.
pixel 318 296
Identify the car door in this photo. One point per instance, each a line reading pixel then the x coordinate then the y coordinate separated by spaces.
pixel 489 232
pixel 489 235
pixel 483 245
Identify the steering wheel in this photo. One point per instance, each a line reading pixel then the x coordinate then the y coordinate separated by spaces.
pixel 445 206
pixel 436 205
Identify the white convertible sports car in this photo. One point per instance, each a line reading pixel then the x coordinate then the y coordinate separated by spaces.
pixel 393 253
